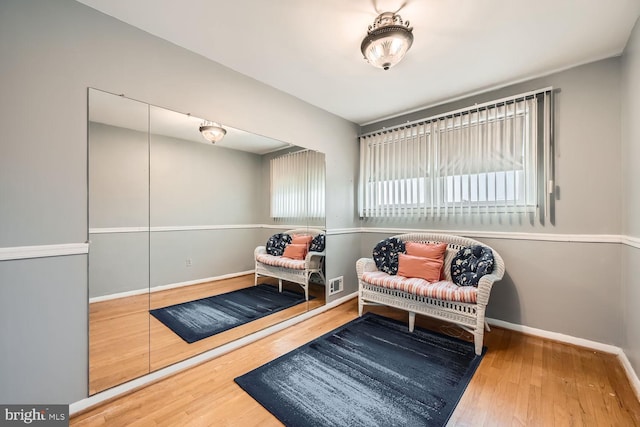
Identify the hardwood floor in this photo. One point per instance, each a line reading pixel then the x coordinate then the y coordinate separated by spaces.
pixel 522 381
pixel 126 342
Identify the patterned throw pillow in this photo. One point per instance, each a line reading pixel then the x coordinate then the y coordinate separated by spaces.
pixel 385 255
pixel 276 244
pixel 317 244
pixel 470 264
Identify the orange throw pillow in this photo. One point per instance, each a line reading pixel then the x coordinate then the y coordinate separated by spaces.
pixel 415 266
pixel 304 239
pixel 295 251
pixel 428 250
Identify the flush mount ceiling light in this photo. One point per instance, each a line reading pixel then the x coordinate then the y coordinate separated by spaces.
pixel 212 132
pixel 387 40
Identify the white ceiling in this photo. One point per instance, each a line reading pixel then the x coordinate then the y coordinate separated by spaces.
pixel 311 48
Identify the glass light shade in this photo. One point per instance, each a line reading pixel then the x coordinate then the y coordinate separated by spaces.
pixel 212 132
pixel 387 41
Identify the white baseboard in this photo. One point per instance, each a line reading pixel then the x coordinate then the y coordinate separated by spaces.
pixel 198 281
pixel 581 342
pixel 631 373
pixel 167 287
pixel 555 336
pixel 118 295
pixel 102 397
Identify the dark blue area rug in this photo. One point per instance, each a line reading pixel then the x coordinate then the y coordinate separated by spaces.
pixel 369 372
pixel 202 318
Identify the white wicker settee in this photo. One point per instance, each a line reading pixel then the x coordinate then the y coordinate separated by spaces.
pixel 291 270
pixel 462 305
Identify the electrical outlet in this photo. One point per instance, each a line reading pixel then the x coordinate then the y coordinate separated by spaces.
pixel 188 262
pixel 336 285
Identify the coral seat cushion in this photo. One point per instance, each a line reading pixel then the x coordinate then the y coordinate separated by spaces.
pixel 420 267
pixel 428 250
pixel 295 251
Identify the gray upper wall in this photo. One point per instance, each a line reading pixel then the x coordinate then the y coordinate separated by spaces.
pixel 200 184
pixel 588 156
pixel 118 177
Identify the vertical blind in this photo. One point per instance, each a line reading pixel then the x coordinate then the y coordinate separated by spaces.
pixel 489 158
pixel 298 185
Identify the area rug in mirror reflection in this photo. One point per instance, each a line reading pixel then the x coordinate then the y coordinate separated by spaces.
pixel 202 318
pixel 370 372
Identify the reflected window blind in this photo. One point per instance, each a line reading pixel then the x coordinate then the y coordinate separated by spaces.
pixel 490 158
pixel 298 185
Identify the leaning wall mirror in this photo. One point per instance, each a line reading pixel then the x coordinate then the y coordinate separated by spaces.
pixel 174 225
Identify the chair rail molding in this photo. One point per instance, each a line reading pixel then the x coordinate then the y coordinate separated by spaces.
pixel 546 237
pixel 113 230
pixel 43 251
pixel 64 249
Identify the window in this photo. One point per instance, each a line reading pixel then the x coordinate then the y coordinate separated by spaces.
pixel 297 185
pixel 490 158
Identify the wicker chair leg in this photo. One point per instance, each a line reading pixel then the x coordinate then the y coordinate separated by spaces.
pixel 412 321
pixel 280 285
pixel 478 337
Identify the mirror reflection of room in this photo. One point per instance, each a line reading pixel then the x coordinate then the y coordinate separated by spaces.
pixel 207 208
pixel 119 240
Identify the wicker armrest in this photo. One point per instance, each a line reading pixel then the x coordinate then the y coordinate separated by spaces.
pixel 312 254
pixel 259 250
pixel 365 264
pixel 486 282
pixel 314 260
pixel 484 287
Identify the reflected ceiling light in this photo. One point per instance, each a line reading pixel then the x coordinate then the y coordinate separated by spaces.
pixel 212 132
pixel 387 40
